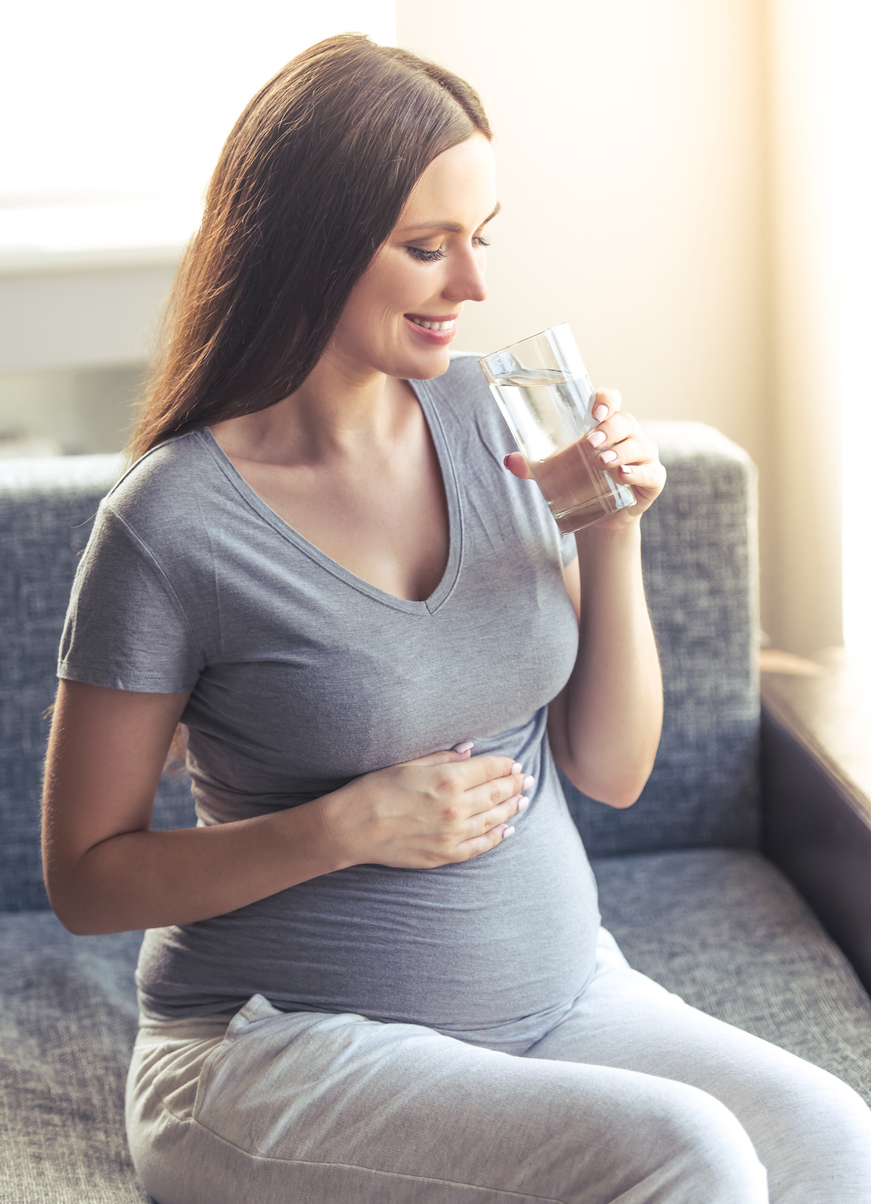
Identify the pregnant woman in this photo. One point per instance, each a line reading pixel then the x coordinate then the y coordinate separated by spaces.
pixel 374 972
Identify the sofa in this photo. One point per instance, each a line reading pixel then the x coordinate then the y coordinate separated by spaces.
pixel 688 877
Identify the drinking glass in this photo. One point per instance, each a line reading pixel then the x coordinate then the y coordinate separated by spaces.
pixel 543 390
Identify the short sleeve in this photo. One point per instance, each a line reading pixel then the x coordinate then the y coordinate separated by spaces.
pixel 568 549
pixel 125 627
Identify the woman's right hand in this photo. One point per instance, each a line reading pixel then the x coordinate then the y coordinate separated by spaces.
pixel 107 871
pixel 437 810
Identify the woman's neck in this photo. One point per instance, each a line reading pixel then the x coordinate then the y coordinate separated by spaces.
pixel 336 414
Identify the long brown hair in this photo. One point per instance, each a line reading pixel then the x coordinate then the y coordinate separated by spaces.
pixel 309 185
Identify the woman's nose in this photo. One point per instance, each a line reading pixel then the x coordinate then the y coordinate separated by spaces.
pixel 467 282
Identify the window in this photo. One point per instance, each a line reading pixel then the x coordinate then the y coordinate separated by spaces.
pixel 112 104
pixel 856 324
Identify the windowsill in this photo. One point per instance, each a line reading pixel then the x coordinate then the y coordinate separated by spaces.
pixel 37 262
pixel 826 701
pixel 98 236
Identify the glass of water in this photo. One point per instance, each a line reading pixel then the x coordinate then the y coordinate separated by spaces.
pixel 545 395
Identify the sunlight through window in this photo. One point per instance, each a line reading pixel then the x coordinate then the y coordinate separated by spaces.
pixel 856 319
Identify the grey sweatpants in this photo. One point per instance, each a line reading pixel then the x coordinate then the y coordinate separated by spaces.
pixel 633 1097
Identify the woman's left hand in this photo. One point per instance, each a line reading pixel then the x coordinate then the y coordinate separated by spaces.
pixel 617 443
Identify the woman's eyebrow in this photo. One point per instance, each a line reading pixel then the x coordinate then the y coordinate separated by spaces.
pixel 448 227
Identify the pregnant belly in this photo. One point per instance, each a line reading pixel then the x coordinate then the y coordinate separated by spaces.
pixel 469 949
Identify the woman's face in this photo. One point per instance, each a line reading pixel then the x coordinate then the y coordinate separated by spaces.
pixel 402 313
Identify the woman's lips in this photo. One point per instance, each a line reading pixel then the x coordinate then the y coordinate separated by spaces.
pixel 437 337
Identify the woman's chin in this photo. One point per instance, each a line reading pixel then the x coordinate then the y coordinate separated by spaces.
pixel 435 361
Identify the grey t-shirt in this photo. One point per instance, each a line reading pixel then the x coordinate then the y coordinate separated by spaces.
pixel 302 676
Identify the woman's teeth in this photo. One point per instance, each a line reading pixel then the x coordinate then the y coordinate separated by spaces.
pixel 435 325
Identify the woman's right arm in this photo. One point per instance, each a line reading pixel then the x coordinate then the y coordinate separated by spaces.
pixel 107 872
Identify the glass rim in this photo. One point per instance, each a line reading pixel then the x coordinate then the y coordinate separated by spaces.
pixel 531 338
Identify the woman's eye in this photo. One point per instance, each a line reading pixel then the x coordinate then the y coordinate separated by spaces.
pixel 423 256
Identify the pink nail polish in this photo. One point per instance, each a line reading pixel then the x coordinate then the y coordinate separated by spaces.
pixel 508 832
pixel 505 460
pixel 600 413
pixel 516 767
pixel 464 747
pixel 523 804
pixel 528 782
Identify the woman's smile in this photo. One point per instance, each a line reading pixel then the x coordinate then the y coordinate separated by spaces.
pixel 438 331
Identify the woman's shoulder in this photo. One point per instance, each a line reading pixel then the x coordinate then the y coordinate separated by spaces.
pixel 165 488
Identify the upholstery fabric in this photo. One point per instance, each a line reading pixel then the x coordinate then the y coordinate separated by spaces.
pixel 66 1030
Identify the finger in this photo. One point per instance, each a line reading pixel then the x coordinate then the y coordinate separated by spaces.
pixel 476 845
pixel 486 770
pixel 616 428
pixel 607 402
pixel 628 451
pixel 462 750
pixel 502 814
pixel 516 464
pixel 485 801
pixel 650 476
pixel 478 825
pixel 443 757
pixel 496 823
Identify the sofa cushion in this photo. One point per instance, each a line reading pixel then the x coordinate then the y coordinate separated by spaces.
pixel 66 1030
pixel 728 933
pixel 721 928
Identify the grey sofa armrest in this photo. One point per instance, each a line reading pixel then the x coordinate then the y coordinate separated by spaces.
pixel 816 797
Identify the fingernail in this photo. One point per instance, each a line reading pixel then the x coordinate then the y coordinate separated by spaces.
pixel 597 439
pixel 607 457
pixel 627 470
pixel 600 413
pixel 508 832
pixel 522 804
pixel 516 767
pixel 505 460
pixel 528 783
pixel 464 747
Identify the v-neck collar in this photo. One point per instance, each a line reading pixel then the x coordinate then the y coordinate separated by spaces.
pixel 445 587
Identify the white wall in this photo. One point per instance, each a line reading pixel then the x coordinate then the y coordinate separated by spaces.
pixel 641 205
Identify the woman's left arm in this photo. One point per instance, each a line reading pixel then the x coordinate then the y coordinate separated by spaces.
pixel 604 727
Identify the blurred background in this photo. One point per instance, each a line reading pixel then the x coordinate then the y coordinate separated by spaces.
pixel 686 182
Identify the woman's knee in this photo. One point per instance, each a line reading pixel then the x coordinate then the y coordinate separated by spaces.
pixel 815 1136
pixel 706 1154
pixel 654 1139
